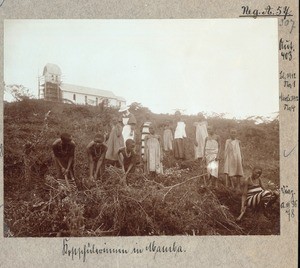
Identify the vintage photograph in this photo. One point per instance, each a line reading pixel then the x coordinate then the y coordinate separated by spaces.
pixel 141 128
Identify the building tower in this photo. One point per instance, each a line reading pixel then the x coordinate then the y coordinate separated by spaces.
pixel 49 83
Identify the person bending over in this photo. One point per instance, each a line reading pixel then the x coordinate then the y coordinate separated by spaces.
pixel 127 158
pixel 96 151
pixel 64 152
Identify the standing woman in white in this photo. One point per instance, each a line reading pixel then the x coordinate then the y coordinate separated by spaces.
pixel 129 123
pixel 200 136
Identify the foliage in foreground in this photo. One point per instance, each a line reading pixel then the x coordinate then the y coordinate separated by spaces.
pixel 146 207
pixel 37 205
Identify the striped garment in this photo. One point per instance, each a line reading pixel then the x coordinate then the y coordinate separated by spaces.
pixel 145 132
pixel 257 196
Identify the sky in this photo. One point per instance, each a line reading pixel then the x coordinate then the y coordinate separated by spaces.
pixel 211 65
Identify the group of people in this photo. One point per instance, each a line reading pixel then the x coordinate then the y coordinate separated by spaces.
pixel 119 149
pixel 207 147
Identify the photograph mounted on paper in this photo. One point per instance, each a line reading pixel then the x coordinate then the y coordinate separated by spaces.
pixel 141 127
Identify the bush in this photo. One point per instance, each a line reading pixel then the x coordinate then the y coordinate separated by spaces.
pixel 37 205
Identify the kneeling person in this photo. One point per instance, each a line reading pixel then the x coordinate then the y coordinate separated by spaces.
pixel 96 151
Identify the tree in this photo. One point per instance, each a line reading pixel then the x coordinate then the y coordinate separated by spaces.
pixel 136 106
pixel 18 92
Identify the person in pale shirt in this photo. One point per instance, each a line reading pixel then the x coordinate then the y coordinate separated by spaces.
pixel 168 138
pixel 212 147
pixel 129 123
pixel 153 153
pixel 200 136
pixel 144 132
pixel 233 164
pixel 179 137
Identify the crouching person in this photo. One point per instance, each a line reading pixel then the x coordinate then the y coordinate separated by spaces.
pixel 64 152
pixel 127 158
pixel 254 195
pixel 96 151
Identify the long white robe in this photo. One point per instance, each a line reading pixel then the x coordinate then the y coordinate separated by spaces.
pixel 233 158
pixel 201 134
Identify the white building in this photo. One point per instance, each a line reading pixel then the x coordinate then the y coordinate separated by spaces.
pixel 90 96
pixel 51 88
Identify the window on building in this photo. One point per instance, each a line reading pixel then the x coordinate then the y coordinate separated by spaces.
pixel 74 97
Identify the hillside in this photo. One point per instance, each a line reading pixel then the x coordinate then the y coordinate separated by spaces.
pixel 36 206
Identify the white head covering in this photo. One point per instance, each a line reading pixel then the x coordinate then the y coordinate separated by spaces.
pixel 123 109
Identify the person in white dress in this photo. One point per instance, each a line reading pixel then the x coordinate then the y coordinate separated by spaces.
pixel 129 123
pixel 200 136
pixel 212 147
pixel 153 153
pixel 168 138
pixel 233 161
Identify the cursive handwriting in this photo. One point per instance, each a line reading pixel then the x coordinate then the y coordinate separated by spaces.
pixel 287 49
pixel 280 11
pixel 291 203
pixel 289 106
pixel 81 252
pixel 287 23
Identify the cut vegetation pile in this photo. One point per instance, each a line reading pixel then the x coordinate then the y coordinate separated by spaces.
pixel 176 203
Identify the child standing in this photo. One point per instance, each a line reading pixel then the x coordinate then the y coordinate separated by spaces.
pixel 153 153
pixel 211 151
pixel 168 138
pixel 200 136
pixel 233 167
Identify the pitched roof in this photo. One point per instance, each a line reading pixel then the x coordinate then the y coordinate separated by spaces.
pixel 51 68
pixel 120 98
pixel 88 91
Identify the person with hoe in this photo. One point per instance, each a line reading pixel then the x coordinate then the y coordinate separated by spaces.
pixel 127 159
pixel 64 153
pixel 96 151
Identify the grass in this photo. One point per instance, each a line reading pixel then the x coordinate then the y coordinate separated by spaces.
pixel 35 204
